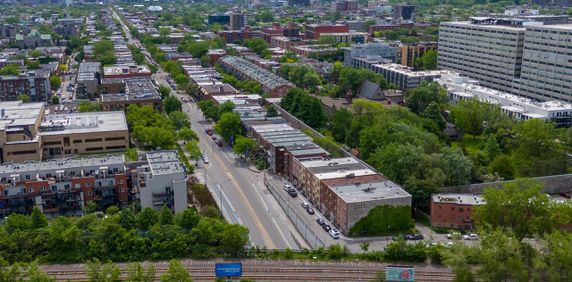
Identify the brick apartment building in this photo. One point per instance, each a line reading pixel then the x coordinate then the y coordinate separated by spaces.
pixel 64 186
pixel 35 84
pixel 313 31
pixel 243 69
pixel 454 210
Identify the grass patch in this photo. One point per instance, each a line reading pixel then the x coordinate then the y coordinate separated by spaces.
pixel 471 143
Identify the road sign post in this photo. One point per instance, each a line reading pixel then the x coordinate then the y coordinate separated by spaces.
pixel 399 273
pixel 228 270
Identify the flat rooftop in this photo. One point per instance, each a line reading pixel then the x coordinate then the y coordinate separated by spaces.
pixel 313 163
pixel 18 113
pixel 61 164
pixel 370 192
pixel 458 199
pixel 74 123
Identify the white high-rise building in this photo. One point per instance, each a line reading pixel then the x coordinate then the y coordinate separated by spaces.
pixel 514 55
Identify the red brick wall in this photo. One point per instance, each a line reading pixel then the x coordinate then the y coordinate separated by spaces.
pixel 88 193
pixel 121 186
pixel 451 215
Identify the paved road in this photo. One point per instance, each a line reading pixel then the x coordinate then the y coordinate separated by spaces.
pixel 245 200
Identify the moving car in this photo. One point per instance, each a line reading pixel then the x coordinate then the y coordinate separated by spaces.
pixel 334 233
pixel 205 159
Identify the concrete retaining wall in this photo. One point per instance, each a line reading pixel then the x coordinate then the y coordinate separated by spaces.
pixel 552 184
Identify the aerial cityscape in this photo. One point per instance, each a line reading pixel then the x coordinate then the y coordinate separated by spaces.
pixel 285 140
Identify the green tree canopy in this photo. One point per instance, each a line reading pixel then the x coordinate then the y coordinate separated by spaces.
pixel 243 145
pixel 171 104
pixel 229 125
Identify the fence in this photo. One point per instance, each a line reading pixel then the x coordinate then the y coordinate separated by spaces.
pixel 309 235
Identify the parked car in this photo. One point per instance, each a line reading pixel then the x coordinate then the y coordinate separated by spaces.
pixel 413 237
pixel 326 227
pixel 213 138
pixel 334 233
pixel 320 221
pixel 454 235
pixel 293 193
pixel 449 244
pixel 471 236
pixel 310 211
pixel 209 131
pixel 205 159
pixel 565 195
pixel 219 143
pixel 287 187
pixel 305 205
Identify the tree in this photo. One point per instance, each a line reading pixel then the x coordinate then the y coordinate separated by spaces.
pixel 103 51
pixel 147 218
pixel 538 151
pixel 243 145
pixel 55 100
pixel 327 40
pixel 187 219
pixel 35 53
pixel 473 116
pixel 209 108
pixel 187 134
pixel 171 104
pixel 181 79
pixel 229 126
pixel 176 272
pixel 127 219
pixel 434 113
pixel 166 216
pixel 257 45
pixel 11 69
pixel 87 106
pixel 38 219
pixel 193 149
pixel 136 273
pixel 264 16
pixel 419 98
pixel 98 272
pixel 34 273
pixel 225 107
pixel 234 239
pixel 519 207
pixel 427 62
pixel 164 90
pixel 23 97
pixel 179 120
pixel 55 82
pixel 271 112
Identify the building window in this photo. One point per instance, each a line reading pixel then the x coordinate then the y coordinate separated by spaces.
pixel 115 170
pixel 461 209
pixel 43 189
pixel 121 190
pixel 67 186
pixel 88 184
pixel 27 177
pixel 77 185
pixel 452 208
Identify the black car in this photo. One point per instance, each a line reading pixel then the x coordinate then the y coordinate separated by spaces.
pixel 310 211
pixel 326 227
pixel 293 193
pixel 413 237
pixel 320 221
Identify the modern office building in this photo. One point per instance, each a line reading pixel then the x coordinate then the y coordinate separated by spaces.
pixel 28 134
pixel 405 77
pixel 243 69
pixel 404 12
pixel 381 50
pixel 63 186
pixel 219 18
pixel 162 181
pixel 236 21
pixel 517 107
pixel 517 55
pixel 412 51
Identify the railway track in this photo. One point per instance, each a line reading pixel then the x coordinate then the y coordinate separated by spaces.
pixel 272 273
